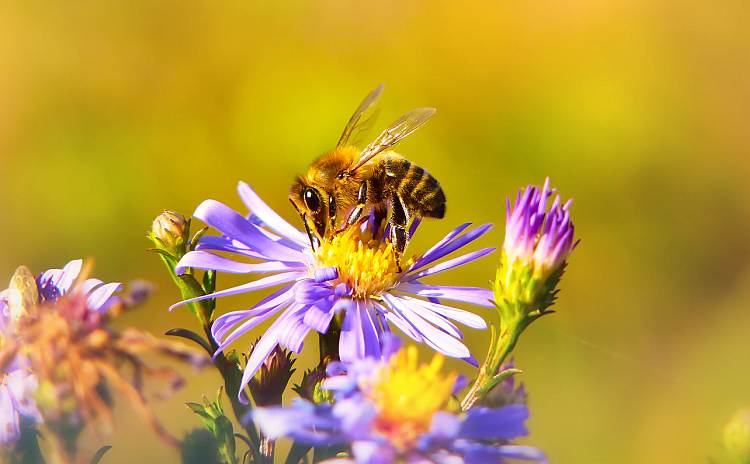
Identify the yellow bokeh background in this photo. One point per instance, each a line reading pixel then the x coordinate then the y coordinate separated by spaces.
pixel 111 111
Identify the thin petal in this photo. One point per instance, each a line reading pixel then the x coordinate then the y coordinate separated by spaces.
pixel 475 295
pixel 99 299
pixel 466 318
pixel 435 338
pixel 206 260
pixel 269 217
pixel 233 225
pixel 265 282
pixel 451 263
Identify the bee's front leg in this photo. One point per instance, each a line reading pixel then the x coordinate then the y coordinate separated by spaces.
pixel 399 233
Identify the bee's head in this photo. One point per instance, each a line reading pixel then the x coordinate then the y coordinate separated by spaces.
pixel 312 204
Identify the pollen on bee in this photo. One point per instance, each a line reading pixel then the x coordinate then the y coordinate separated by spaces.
pixel 366 265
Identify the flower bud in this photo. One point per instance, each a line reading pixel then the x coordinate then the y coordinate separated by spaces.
pixel 536 247
pixel 737 438
pixel 271 380
pixel 170 232
pixel 310 387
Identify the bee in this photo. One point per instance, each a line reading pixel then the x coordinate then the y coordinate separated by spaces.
pixel 344 183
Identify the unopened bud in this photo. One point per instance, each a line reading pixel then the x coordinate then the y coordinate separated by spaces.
pixel 537 244
pixel 170 232
pixel 310 389
pixel 269 383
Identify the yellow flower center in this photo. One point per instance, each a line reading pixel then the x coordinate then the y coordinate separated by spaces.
pixel 366 265
pixel 407 395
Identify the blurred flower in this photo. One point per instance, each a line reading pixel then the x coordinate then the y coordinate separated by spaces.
pixel 65 341
pixel 537 244
pixel 17 385
pixel 396 410
pixel 169 232
pixel 354 274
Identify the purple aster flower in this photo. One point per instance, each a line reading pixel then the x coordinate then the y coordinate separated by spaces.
pixel 535 236
pixel 353 275
pixel 394 409
pixel 17 383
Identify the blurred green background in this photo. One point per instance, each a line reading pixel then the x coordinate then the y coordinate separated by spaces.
pixel 111 111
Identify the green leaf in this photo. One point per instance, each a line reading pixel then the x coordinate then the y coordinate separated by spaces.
pixel 192 336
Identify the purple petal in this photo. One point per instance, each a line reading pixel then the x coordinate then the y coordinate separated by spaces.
pixel 232 224
pixel 466 318
pixel 68 275
pixel 394 317
pixel 90 284
pixel 452 246
pixel 225 322
pixel 213 242
pixel 441 243
pixel 359 338
pixel 319 316
pixel 99 299
pixel 475 295
pixel 293 331
pixel 265 282
pixel 503 423
pixel 269 217
pixel 444 426
pixel 451 263
pixel 435 338
pixel 205 260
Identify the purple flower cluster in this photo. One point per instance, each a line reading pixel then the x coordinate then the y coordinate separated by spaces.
pixel 360 421
pixel 368 293
pixel 535 236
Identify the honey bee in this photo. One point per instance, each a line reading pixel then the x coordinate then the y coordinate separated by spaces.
pixel 344 183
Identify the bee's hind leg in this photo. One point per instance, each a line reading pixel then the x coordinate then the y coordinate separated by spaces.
pixel 399 222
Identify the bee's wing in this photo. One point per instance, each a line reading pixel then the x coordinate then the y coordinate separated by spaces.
pixel 362 117
pixel 401 128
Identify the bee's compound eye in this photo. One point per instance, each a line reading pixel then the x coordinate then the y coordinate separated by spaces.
pixel 312 199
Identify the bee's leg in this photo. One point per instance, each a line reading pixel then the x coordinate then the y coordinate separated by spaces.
pixel 312 238
pixel 399 221
pixel 361 203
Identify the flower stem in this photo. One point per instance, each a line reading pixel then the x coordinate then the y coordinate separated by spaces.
pixel 502 343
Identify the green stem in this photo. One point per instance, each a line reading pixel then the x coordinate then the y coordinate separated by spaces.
pixel 501 345
pixel 230 371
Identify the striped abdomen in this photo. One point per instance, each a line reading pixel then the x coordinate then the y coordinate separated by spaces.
pixel 420 193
